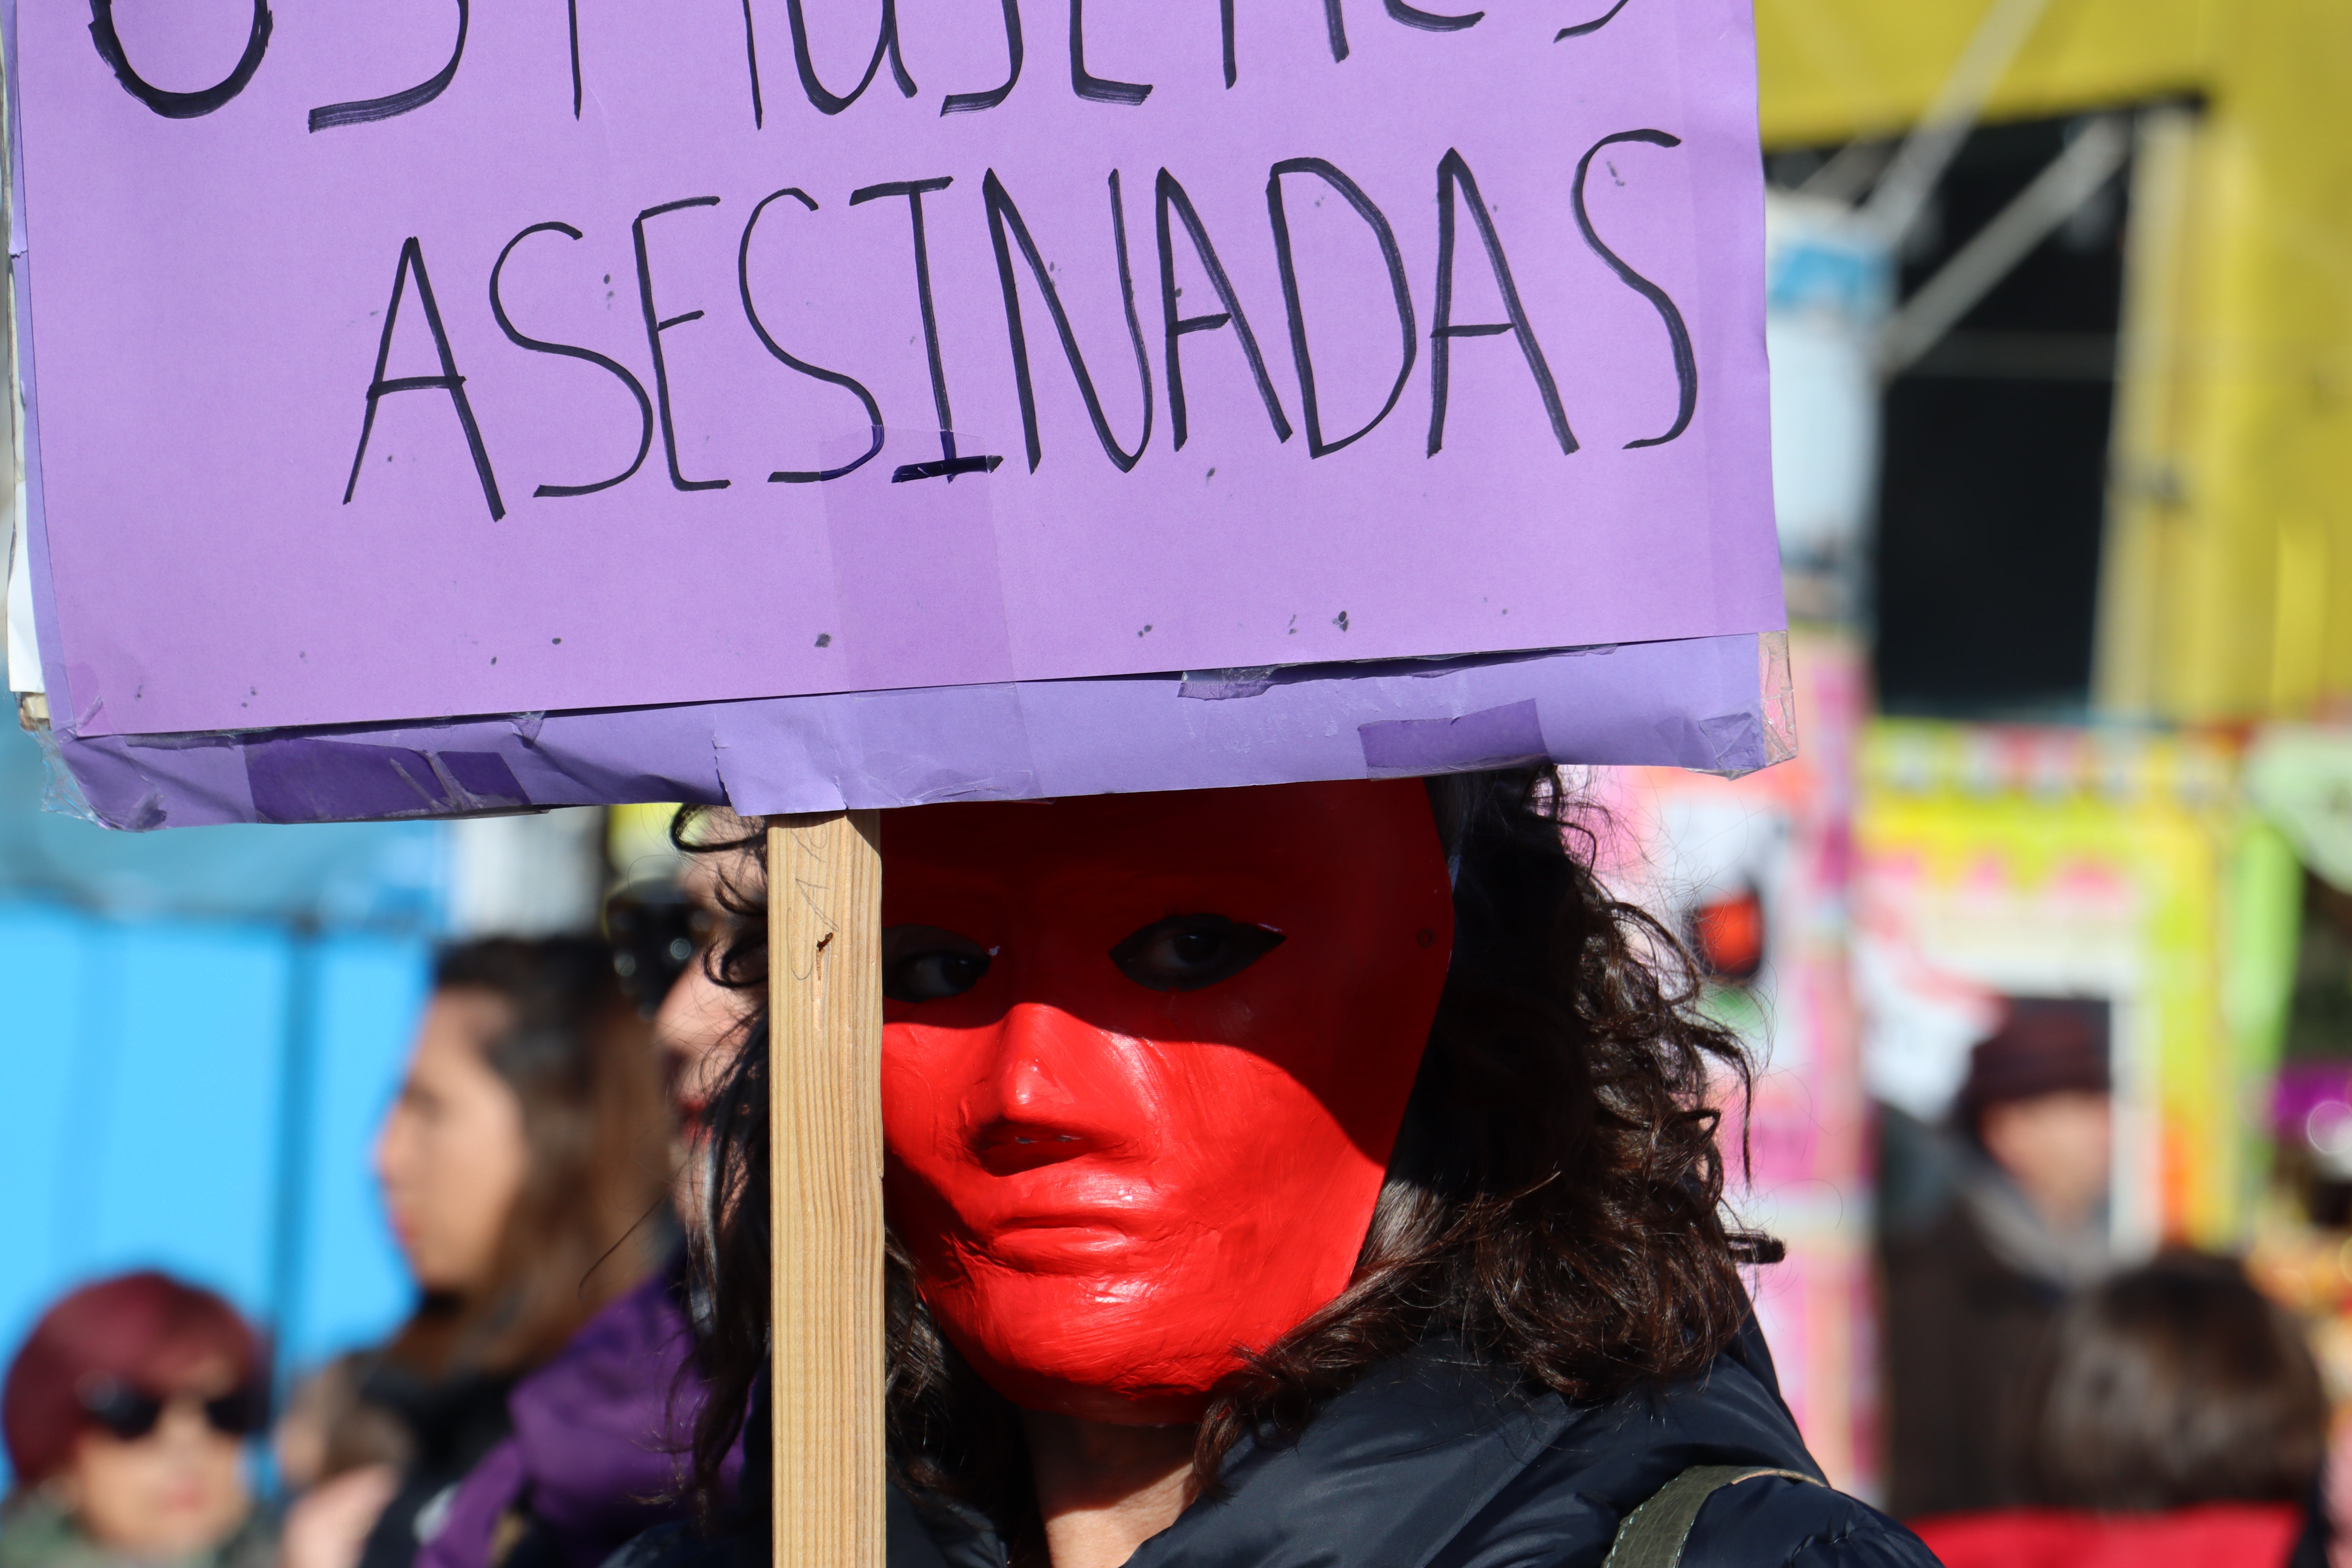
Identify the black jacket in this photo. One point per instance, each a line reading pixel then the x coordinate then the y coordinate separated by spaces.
pixel 1433 1463
pixel 452 1423
pixel 1965 1331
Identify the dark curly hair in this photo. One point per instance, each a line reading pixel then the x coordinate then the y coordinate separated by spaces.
pixel 1554 1200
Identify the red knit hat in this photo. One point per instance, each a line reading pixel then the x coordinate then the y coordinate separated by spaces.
pixel 2047 1046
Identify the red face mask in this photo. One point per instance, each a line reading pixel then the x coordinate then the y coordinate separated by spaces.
pixel 1143 1065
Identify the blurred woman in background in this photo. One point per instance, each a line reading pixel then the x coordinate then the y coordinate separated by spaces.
pixel 2177 1417
pixel 521 1164
pixel 602 1432
pixel 1971 1293
pixel 126 1413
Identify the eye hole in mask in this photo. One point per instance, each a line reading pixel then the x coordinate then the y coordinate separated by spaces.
pixel 1188 953
pixel 925 964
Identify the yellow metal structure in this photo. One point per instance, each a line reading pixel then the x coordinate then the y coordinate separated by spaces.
pixel 2226 587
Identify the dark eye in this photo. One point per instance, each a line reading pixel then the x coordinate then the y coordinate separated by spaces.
pixel 1185 953
pixel 924 963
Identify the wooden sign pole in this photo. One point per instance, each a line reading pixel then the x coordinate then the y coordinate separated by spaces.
pixel 824 1185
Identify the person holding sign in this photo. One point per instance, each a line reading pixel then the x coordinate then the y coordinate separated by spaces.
pixel 1309 1173
pixel 1288 1169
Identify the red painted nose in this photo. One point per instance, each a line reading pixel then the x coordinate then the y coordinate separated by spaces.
pixel 1054 1091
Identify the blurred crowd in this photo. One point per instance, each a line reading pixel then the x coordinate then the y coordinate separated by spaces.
pixel 540 1174
pixel 2048 1405
pixel 2047 1402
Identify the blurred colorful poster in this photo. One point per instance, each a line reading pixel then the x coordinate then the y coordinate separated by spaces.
pixel 2001 863
pixel 1753 873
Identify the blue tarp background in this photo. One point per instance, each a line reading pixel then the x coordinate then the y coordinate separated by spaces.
pixel 198 1032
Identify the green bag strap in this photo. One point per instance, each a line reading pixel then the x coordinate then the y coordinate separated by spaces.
pixel 1653 1534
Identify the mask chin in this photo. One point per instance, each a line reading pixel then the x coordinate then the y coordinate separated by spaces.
pixel 1106 1388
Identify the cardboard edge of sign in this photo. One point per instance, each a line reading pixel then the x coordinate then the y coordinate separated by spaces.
pixel 1718 704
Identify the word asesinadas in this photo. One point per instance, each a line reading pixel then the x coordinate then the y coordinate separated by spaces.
pixel 1014 248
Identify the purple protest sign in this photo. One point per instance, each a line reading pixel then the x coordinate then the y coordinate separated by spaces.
pixel 401 362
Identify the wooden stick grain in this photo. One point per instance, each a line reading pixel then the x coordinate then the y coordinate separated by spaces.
pixel 824 985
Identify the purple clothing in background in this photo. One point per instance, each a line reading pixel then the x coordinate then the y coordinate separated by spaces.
pixel 602 1437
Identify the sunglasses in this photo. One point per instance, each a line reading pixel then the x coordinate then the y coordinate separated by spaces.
pixel 130 1414
pixel 655 934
